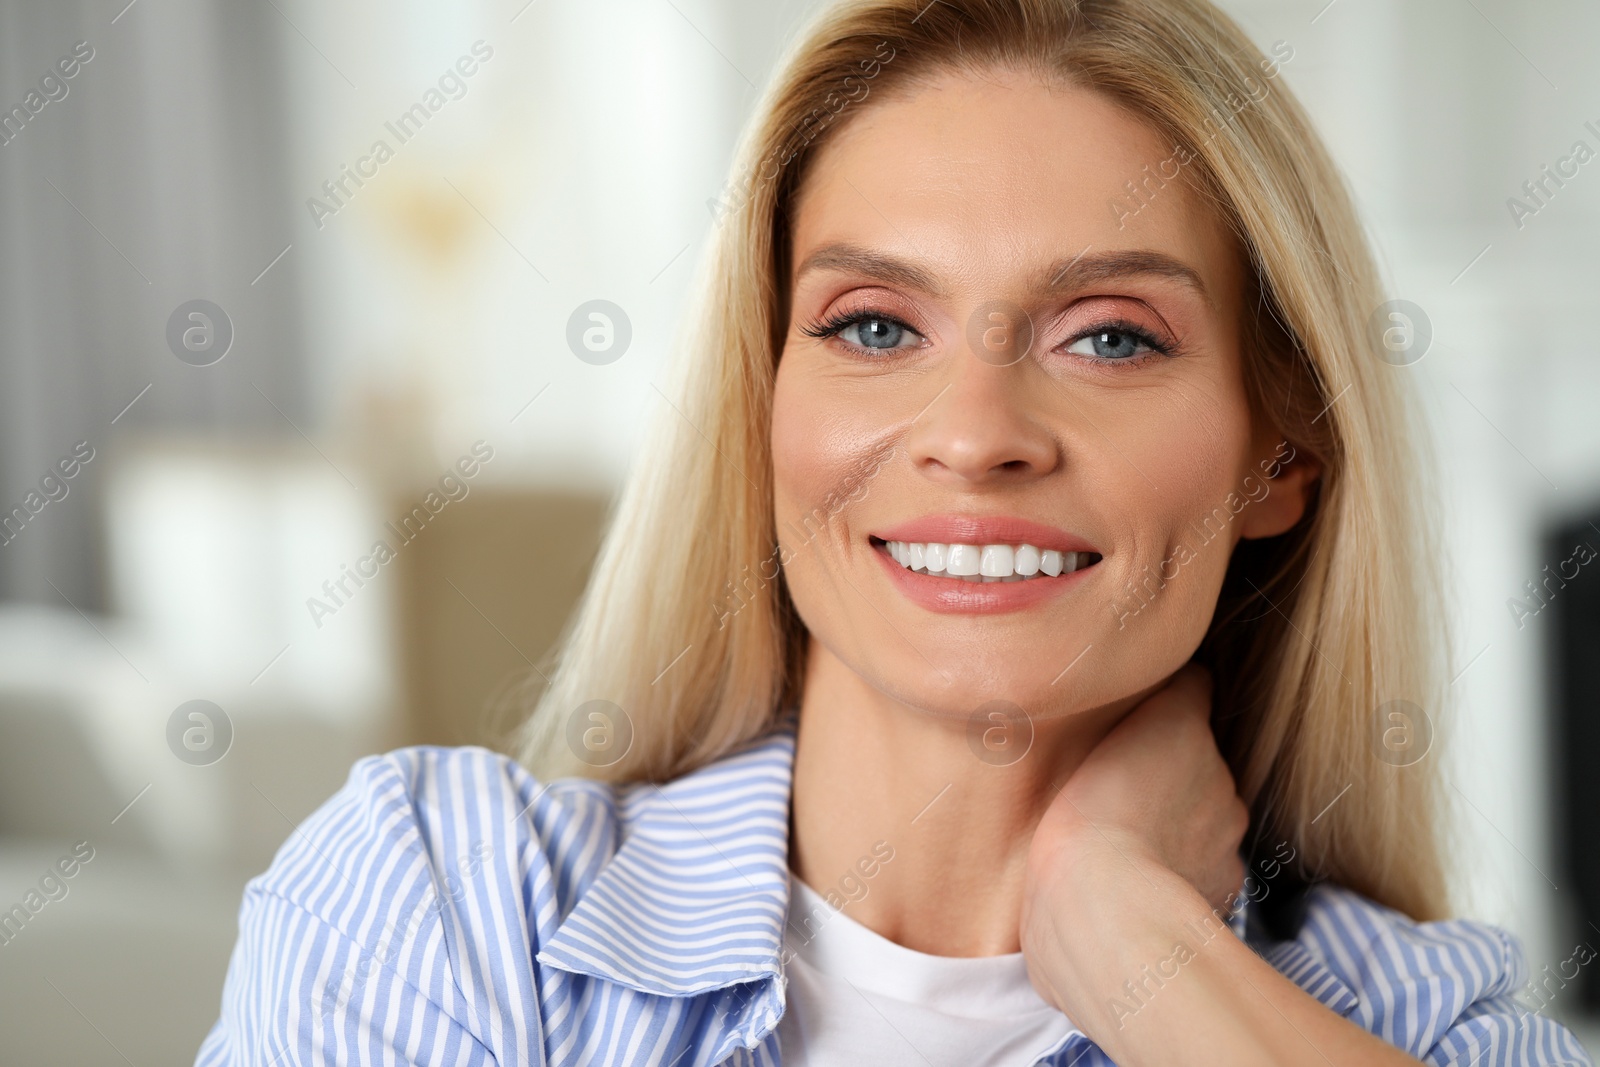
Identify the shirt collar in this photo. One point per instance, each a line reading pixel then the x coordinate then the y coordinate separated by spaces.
pixel 617 934
pixel 731 819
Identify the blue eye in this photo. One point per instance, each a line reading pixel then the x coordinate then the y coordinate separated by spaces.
pixel 875 333
pixel 866 330
pixel 1115 343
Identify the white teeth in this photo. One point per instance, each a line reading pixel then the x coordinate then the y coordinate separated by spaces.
pixel 996 561
pixel 985 563
pixel 962 560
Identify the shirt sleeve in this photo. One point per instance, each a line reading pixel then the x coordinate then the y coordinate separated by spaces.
pixel 1499 1032
pixel 379 933
pixel 1442 991
pixel 298 993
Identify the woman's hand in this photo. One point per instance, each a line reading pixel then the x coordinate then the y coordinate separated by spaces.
pixel 1130 878
pixel 1156 791
pixel 1152 809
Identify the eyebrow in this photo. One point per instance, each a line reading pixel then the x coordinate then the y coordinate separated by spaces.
pixel 1064 275
pixel 852 259
pixel 1084 269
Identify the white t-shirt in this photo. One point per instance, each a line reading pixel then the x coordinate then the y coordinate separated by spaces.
pixel 855 997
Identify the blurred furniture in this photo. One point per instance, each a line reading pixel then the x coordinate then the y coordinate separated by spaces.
pixel 214 551
pixel 485 592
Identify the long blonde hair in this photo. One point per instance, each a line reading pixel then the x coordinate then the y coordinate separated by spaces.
pixel 687 626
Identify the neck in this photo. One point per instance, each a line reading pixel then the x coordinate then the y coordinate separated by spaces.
pixel 876 778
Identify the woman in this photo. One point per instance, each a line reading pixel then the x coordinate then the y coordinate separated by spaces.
pixel 1031 393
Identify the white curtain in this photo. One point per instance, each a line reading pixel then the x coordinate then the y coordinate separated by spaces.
pixel 156 179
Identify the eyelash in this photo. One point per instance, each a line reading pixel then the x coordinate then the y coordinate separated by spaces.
pixel 839 321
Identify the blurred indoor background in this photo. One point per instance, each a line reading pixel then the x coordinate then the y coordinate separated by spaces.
pixel 258 347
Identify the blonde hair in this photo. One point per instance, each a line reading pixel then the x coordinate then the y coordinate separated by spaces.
pixel 687 626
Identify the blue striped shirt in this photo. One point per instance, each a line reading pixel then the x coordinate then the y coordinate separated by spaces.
pixel 444 907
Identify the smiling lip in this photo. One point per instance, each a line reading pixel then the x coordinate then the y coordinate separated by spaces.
pixel 984 530
pixel 946 596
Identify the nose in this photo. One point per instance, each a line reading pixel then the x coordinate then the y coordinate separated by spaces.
pixel 984 427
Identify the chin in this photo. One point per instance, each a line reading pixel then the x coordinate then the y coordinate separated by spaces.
pixel 1031 688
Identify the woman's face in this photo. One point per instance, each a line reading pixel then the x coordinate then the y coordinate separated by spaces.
pixel 934 232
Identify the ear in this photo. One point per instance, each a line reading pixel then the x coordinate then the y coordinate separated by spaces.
pixel 1289 477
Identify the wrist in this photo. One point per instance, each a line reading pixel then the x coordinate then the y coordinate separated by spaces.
pixel 1081 861
pixel 1105 915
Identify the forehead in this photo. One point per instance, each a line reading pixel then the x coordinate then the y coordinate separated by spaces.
pixel 984 176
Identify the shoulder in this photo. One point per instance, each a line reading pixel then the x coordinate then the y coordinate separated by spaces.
pixel 1446 991
pixel 434 823
pixel 1364 941
pixel 414 894
pixel 432 806
pixel 446 907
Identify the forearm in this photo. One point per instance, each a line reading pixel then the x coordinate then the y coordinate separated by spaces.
pixel 1138 959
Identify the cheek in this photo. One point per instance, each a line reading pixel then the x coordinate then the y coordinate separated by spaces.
pixel 796 459
pixel 1183 509
pixel 830 453
pixel 810 459
pixel 826 453
pixel 806 465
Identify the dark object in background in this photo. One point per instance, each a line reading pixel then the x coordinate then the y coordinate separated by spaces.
pixel 1569 590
